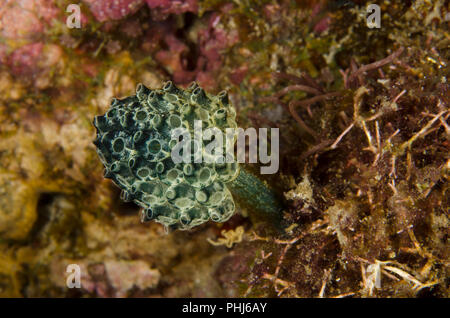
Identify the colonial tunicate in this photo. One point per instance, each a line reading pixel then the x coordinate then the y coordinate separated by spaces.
pixel 134 142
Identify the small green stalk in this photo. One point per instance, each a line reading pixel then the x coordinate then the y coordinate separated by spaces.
pixel 256 196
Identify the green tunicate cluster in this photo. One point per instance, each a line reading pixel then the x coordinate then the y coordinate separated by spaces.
pixel 134 142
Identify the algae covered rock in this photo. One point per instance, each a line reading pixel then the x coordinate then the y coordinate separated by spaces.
pixel 135 140
pixel 18 201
